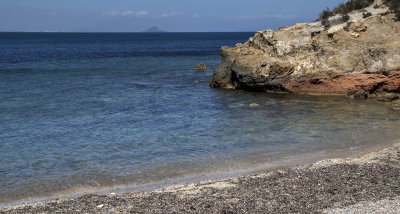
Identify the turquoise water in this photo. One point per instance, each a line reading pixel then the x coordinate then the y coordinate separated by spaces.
pixel 79 112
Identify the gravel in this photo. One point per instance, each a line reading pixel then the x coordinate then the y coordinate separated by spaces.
pixel 368 184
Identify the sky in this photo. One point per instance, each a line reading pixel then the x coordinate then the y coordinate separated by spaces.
pixel 168 15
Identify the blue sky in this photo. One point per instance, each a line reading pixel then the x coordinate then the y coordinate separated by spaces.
pixel 170 15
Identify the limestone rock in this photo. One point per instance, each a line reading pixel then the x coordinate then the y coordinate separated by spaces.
pixel 359 54
pixel 201 67
pixel 253 105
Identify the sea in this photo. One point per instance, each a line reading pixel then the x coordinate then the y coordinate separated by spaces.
pixel 119 112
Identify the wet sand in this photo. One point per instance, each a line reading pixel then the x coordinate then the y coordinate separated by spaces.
pixel 366 184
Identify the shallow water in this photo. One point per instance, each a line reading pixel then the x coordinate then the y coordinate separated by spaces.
pixel 84 111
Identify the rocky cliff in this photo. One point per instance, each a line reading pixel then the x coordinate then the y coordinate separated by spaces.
pixel 355 54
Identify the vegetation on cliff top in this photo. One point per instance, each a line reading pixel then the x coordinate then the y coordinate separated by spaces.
pixel 395 6
pixel 352 5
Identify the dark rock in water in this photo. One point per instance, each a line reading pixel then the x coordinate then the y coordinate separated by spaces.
pixel 357 57
pixel 153 29
pixel 201 67
pixel 388 97
pixel 360 95
pixel 396 105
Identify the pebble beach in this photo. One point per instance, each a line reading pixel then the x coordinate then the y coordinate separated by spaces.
pixel 365 184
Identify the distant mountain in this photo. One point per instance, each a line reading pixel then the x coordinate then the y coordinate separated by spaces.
pixel 153 29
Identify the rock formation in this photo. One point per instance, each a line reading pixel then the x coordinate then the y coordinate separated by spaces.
pixel 355 54
pixel 201 67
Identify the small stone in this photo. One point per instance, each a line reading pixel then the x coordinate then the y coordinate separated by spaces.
pixel 113 194
pixel 201 67
pixel 396 105
pixel 361 95
pixel 62 199
pixel 355 35
pixel 100 206
pixel 254 105
pixel 388 97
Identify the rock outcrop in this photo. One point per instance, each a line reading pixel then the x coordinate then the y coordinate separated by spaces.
pixel 355 54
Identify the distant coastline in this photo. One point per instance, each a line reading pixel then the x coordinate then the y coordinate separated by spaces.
pixel 36 31
pixel 116 32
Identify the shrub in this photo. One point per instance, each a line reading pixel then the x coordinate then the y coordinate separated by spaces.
pixel 394 5
pixel 351 5
pixel 345 18
pixel 325 23
pixel 325 14
pixel 345 8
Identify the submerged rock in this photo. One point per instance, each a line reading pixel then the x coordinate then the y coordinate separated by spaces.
pixel 359 55
pixel 360 95
pixel 388 97
pixel 396 105
pixel 201 67
pixel 254 105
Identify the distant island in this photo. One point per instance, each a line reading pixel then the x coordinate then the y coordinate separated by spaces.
pixel 153 29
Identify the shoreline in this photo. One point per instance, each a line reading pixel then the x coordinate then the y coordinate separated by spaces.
pixel 328 185
pixel 244 170
pixel 295 160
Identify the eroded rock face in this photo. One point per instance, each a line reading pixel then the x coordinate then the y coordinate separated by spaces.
pixel 356 54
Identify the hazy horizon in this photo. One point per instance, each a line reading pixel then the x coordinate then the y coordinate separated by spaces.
pixel 171 16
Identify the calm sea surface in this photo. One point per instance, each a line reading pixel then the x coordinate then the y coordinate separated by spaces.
pixel 84 112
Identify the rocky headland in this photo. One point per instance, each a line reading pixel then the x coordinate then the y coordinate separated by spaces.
pixel 355 54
